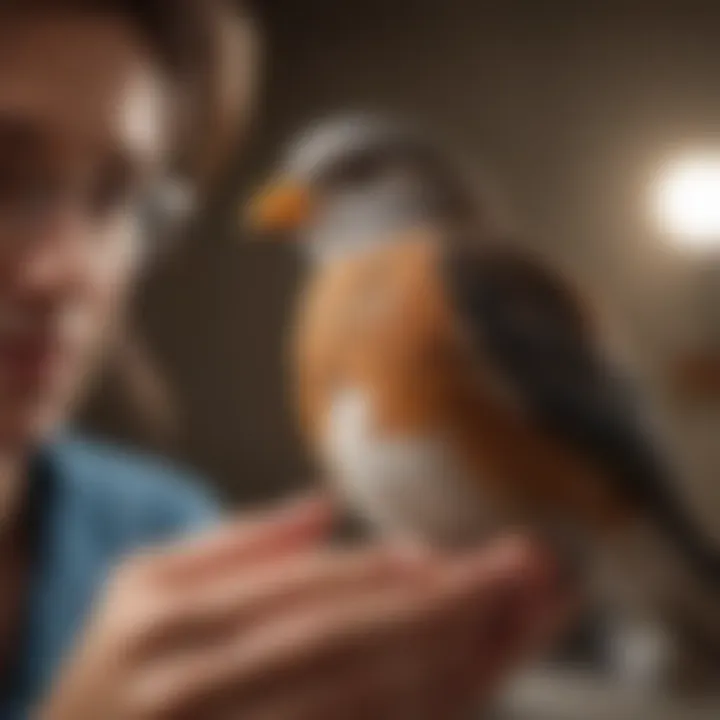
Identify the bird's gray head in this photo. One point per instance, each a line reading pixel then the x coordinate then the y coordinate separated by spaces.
pixel 351 181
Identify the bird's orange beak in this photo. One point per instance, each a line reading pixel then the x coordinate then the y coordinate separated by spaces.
pixel 280 207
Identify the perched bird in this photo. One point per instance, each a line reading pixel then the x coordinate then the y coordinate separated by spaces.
pixel 454 385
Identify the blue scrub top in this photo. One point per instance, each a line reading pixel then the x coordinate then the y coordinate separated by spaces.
pixel 89 506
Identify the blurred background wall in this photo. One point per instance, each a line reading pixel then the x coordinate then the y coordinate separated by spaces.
pixel 571 108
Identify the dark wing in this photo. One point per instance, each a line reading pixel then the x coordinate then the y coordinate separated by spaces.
pixel 529 322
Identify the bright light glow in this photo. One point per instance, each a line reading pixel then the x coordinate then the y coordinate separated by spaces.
pixel 689 202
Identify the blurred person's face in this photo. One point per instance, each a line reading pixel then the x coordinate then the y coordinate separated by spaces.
pixel 81 124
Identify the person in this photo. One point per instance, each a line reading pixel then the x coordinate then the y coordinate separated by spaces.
pixel 106 610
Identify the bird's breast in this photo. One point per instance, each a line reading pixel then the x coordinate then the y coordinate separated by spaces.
pixel 415 486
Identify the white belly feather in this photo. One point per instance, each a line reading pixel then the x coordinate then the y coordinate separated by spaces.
pixel 413 486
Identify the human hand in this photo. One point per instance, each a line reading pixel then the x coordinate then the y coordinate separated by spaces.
pixel 259 621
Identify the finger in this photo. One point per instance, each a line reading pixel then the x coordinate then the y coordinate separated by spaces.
pixel 401 614
pixel 305 644
pixel 232 603
pixel 339 629
pixel 322 636
pixel 390 682
pixel 289 529
pixel 349 696
pixel 479 644
pixel 360 688
pixel 523 605
pixel 444 656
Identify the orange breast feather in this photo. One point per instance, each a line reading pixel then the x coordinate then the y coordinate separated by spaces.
pixel 380 322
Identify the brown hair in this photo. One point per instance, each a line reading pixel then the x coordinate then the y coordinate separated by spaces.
pixel 209 48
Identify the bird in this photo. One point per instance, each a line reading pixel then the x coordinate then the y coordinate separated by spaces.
pixel 454 383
